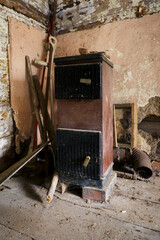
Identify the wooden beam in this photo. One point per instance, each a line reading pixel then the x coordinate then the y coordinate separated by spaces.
pixel 26 9
pixel 34 97
pixel 133 125
pixel 123 106
pixel 46 118
pixel 8 173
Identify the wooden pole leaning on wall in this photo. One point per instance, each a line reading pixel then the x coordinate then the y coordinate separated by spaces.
pixel 46 118
pixel 8 173
pixel 35 101
pixel 134 125
pixel 34 97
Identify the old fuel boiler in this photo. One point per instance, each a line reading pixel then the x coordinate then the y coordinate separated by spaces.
pixel 83 89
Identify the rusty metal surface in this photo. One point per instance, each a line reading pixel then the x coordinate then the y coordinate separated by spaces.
pixel 121 155
pixel 141 163
pixel 80 114
pixel 107 117
pixel 73 146
pixel 93 194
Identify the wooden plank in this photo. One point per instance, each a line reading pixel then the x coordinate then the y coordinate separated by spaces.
pixel 8 173
pixel 34 97
pixel 26 9
pixel 46 118
pixel 35 77
pixel 135 189
pixel 133 125
pixel 123 106
pixel 115 143
pixel 50 60
pixel 19 88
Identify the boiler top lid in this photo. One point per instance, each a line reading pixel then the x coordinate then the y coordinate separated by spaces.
pixel 85 58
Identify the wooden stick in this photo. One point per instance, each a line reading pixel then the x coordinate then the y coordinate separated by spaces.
pixel 34 97
pixel 53 186
pixel 8 173
pixel 53 12
pixel 53 43
pixel 46 118
pixel 64 187
pixel 35 78
pixel 115 143
pixel 133 125
pixel 123 106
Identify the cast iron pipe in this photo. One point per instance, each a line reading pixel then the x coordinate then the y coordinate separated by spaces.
pixel 141 163
pixel 137 158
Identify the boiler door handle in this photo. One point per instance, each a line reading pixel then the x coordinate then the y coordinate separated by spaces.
pixel 86 161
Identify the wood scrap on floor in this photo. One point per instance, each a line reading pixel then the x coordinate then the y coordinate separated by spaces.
pixel 8 173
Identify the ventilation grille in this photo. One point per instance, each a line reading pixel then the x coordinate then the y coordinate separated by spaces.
pixel 78 81
pixel 72 149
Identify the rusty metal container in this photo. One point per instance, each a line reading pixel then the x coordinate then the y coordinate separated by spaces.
pixel 141 163
pixel 83 89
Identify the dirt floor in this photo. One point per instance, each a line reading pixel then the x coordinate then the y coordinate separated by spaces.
pixel 131 213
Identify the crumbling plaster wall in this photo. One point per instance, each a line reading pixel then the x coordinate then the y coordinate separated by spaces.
pixel 7 125
pixel 73 15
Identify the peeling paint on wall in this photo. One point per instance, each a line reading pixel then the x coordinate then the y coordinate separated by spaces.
pixel 37 9
pixel 75 15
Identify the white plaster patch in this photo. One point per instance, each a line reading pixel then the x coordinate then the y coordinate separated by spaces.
pixel 117 67
pixel 119 54
pixel 128 77
pixel 5 144
pixel 6 122
pixel 106 100
pixel 125 95
pixel 41 5
pixel 146 64
pixel 136 2
pixel 114 4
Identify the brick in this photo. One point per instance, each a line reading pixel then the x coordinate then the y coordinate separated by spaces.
pixel 98 194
